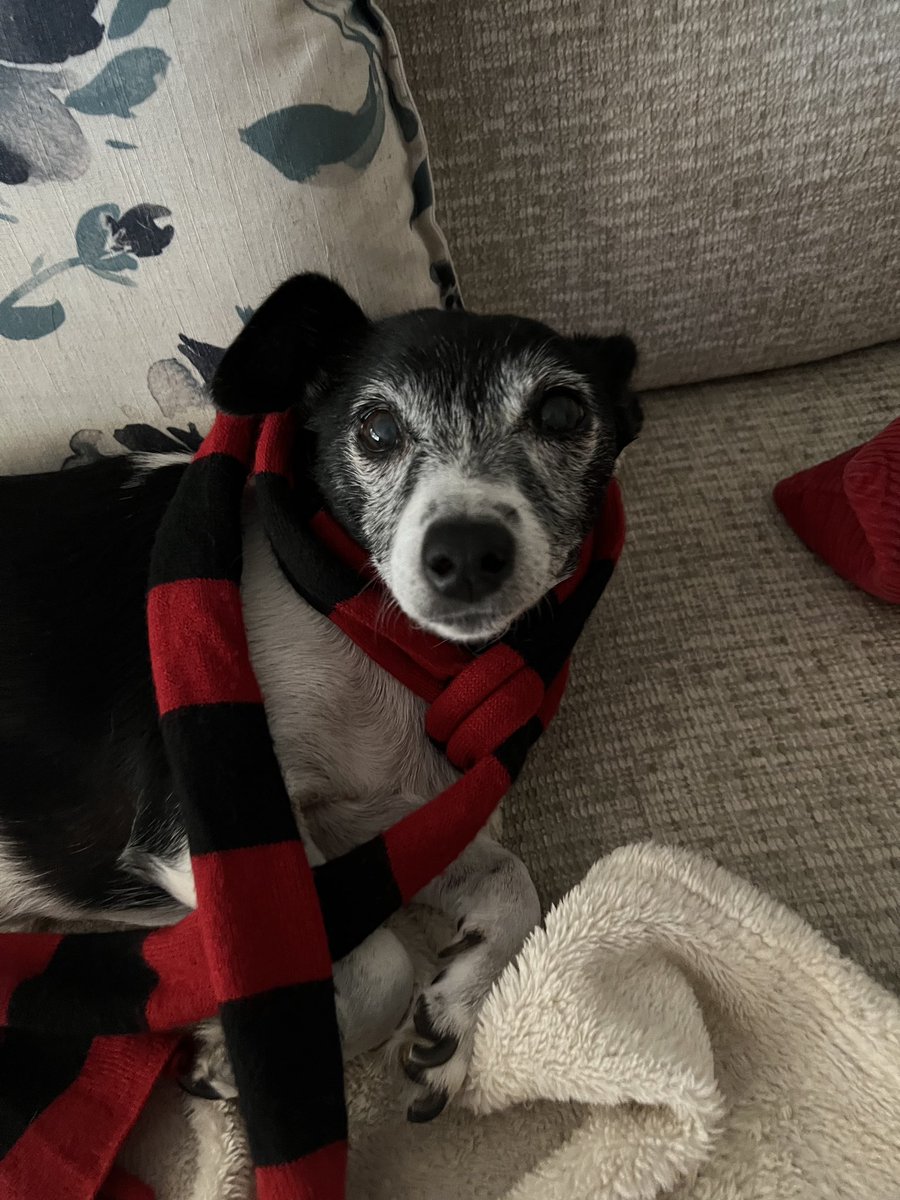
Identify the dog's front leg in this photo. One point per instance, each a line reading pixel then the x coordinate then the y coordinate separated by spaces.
pixel 490 895
pixel 373 989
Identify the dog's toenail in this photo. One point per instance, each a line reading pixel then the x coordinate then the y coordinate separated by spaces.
pixel 436 1055
pixel 423 1023
pixel 413 1071
pixel 427 1108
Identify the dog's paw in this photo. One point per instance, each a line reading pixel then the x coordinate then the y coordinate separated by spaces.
pixel 210 1076
pixel 442 1035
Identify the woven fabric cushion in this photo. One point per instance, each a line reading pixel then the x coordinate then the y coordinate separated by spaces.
pixel 162 167
pixel 719 178
pixel 847 510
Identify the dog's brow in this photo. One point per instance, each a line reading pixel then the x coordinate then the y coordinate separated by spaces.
pixel 522 376
pixel 391 388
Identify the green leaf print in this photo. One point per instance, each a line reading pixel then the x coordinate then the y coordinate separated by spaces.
pixel 130 79
pixel 108 242
pixel 92 231
pixel 28 322
pixel 130 15
pixel 302 139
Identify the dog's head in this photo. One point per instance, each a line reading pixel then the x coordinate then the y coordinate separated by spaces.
pixel 468 454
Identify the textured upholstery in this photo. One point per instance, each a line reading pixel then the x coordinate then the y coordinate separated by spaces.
pixel 722 179
pixel 733 694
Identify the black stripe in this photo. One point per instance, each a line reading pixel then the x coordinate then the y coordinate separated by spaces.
pixel 95 982
pixel 208 500
pixel 222 759
pixel 285 1050
pixel 546 635
pixel 319 576
pixel 224 765
pixel 34 1071
pixel 513 752
pixel 535 637
pixel 357 893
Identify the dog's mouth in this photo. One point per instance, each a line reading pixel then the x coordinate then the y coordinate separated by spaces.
pixel 470 627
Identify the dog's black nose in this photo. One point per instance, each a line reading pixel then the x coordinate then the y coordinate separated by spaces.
pixel 468 560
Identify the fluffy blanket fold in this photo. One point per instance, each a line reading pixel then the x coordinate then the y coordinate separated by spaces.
pixel 671 1032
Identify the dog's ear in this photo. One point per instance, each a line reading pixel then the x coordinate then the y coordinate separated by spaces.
pixel 611 361
pixel 291 339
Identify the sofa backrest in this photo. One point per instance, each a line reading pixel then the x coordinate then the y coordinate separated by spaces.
pixel 721 178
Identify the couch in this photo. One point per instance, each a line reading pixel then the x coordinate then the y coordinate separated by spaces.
pixel 720 180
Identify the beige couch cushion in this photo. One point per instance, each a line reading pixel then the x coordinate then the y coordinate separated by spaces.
pixel 731 693
pixel 721 178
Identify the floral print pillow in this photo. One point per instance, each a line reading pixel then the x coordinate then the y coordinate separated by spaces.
pixel 163 165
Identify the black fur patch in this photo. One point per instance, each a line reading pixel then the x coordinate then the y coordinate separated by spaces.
pixel 80 751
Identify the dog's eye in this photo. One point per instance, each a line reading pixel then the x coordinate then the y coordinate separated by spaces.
pixel 379 431
pixel 560 412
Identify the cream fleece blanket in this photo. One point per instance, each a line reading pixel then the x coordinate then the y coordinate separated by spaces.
pixel 670 1032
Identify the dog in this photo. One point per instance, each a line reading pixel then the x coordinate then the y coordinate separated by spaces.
pixel 469 455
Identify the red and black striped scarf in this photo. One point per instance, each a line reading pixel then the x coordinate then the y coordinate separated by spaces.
pixel 91 1021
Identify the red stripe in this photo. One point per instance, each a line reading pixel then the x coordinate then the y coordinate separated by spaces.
pixel 470 689
pixel 275 447
pixel 488 727
pixel 263 926
pixel 424 844
pixel 421 661
pixel 388 655
pixel 233 436
pixel 198 645
pixel 22 956
pixel 373 608
pixel 69 1148
pixel 321 1175
pixel 184 994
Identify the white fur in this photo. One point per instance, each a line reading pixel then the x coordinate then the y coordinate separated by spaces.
pixel 150 460
pixel 26 898
pixel 23 896
pixel 175 877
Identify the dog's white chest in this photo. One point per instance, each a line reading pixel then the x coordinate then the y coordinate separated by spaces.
pixel 349 737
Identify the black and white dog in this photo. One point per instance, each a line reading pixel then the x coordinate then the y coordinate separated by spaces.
pixel 468 454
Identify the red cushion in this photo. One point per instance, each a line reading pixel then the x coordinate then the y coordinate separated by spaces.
pixel 847 510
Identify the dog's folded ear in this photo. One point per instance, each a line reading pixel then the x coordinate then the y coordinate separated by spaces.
pixel 292 338
pixel 612 361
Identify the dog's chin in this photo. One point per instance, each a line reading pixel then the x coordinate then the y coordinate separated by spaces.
pixel 468 626
pixel 469 629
